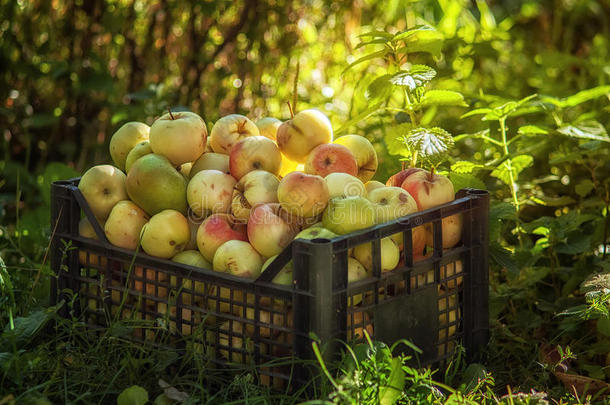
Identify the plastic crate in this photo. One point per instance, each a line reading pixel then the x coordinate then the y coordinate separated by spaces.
pixel 435 302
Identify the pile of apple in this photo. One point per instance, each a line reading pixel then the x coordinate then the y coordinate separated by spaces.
pixel 233 200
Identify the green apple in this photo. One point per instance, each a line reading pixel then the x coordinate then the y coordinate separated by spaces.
pixel 210 161
pixel 372 185
pixel 284 277
pixel 124 224
pixel 179 136
pixel 348 214
pixel 356 272
pixel 299 135
pixel 390 255
pixel 343 185
pixel 195 259
pixel 268 126
pixel 103 186
pixel 155 185
pixel 125 139
pixel 192 258
pixel 316 232
pixel 391 203
pixel 141 149
pixel 166 234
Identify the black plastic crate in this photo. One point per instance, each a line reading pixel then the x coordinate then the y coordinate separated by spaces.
pixel 434 302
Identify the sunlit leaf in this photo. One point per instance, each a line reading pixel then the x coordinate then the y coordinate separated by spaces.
pixel 532 129
pixel 394 139
pixel 466 180
pixel 579 98
pixel 443 97
pixel 381 87
pixel 515 166
pixel 376 54
pixel 416 76
pixel 429 141
pixel 464 166
pixel 586 130
pixel 134 395
pixel 376 34
pixel 424 40
pixel 405 34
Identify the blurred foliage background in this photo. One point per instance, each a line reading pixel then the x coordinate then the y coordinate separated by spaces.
pixel 72 72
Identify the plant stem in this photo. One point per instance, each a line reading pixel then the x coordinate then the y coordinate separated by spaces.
pixel 513 185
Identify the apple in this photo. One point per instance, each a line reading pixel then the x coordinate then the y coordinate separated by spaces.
pixel 229 130
pixel 238 258
pixel 364 152
pixel 141 149
pixel 155 185
pixel 210 161
pixel 452 231
pixel 254 153
pixel 103 186
pixel 284 276
pixel 330 158
pixel 397 179
pixel 185 170
pixel 348 214
pixel 256 187
pixel 391 203
pixel 428 189
pixel 373 185
pixel 316 232
pixel 268 126
pixel 216 230
pixel 179 136
pixel 299 135
pixel 355 272
pixel 419 236
pixel 448 312
pixel 269 314
pixel 165 234
pixel 303 194
pixel 269 233
pixel 390 255
pixel 195 259
pixel 357 323
pixel 124 225
pixel 125 139
pixel 210 190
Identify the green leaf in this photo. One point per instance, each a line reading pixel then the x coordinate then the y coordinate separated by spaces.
pixel 53 172
pixel 503 257
pixel 515 166
pixel 471 376
pixel 376 34
pixel 580 97
pixel 502 211
pixel 465 180
pixel 603 326
pixel 429 141
pixel 26 328
pixel 405 34
pixel 361 116
pixel 424 40
pixel 586 130
pixel 532 129
pixel 391 393
pixel 381 87
pixel 584 187
pixel 376 54
pixel 394 139
pixel 464 166
pixel 134 395
pixel 477 111
pixel 443 97
pixel 416 76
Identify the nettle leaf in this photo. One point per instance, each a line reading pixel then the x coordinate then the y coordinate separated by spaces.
pixel 515 165
pixel 377 54
pixel 532 129
pixel 429 141
pixel 394 139
pixel 416 76
pixel 381 87
pixel 580 97
pixel 424 40
pixel 443 97
pixel 464 166
pixel 586 130
pixel 466 180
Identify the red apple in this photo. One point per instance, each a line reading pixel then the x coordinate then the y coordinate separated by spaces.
pixel 397 179
pixel 303 194
pixel 216 230
pixel 268 232
pixel 331 158
pixel 428 189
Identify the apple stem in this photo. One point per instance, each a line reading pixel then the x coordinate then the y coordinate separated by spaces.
pixel 403 165
pixel 169 110
pixel 290 108
pixel 432 173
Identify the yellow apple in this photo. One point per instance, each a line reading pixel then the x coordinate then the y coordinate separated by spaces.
pixel 179 136
pixel 125 139
pixel 229 130
pixel 165 234
pixel 124 225
pixel 299 135
pixel 103 186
